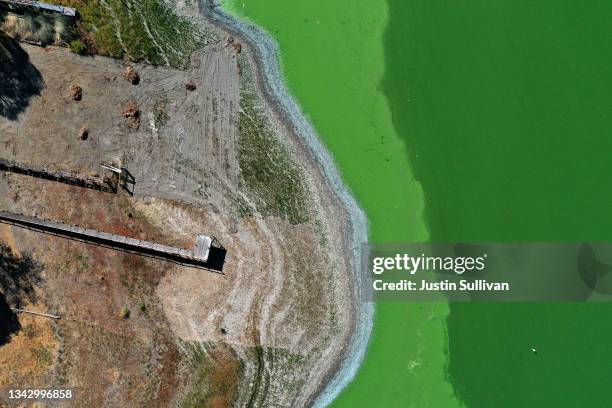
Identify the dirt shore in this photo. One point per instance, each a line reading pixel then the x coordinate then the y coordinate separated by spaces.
pixel 272 331
pixel 270 80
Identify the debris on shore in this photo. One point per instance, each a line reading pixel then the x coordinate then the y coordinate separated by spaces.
pixel 132 75
pixel 237 46
pixel 190 85
pixel 76 92
pixel 131 111
pixel 84 133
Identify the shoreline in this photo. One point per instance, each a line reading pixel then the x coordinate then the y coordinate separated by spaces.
pixel 266 54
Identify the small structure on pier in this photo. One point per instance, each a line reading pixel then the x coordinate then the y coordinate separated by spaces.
pixel 122 176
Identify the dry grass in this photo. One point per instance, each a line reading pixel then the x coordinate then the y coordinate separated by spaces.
pixel 30 353
pixel 217 375
pixel 266 166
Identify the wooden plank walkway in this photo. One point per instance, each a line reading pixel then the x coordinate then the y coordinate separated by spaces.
pixel 198 257
pixel 106 184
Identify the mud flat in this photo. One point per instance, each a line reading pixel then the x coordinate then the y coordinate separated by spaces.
pixel 266 54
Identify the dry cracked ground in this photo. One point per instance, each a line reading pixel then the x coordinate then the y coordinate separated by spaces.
pixel 217 160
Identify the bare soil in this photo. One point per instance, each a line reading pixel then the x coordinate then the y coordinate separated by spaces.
pixel 268 331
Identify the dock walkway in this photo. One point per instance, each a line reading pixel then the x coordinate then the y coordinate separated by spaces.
pixel 199 257
pixel 109 185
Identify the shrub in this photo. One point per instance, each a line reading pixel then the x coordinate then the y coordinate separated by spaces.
pixel 78 47
pixel 124 313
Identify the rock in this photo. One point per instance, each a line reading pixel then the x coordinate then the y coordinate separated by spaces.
pixel 84 133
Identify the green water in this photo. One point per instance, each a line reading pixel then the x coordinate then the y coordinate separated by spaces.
pixel 502 109
pixel 334 61
pixel 509 128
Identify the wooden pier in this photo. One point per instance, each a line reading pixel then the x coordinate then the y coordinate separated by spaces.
pixel 207 253
pixel 106 184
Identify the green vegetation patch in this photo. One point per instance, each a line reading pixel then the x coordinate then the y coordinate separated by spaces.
pixel 141 30
pixel 266 166
pixel 78 47
pixel 159 114
pixel 42 356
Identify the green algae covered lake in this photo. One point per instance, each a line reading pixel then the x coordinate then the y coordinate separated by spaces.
pixel 465 121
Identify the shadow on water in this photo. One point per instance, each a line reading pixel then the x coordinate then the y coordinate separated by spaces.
pixel 20 81
pixel 19 277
